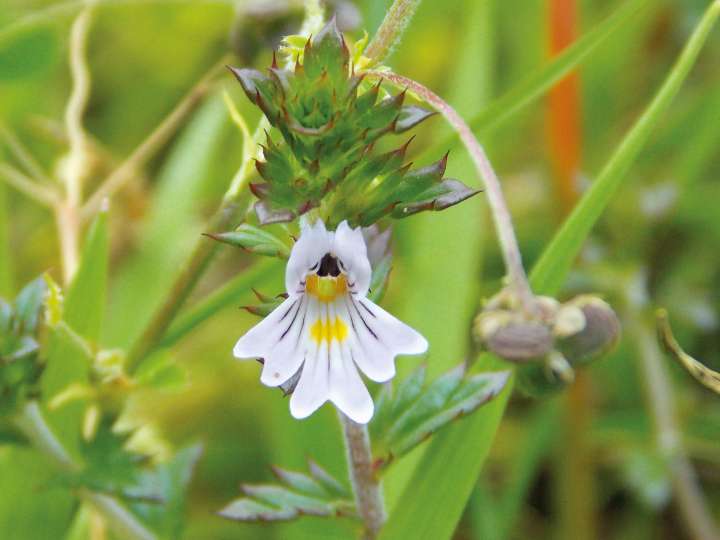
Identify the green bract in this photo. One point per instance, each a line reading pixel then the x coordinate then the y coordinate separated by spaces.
pixel 329 122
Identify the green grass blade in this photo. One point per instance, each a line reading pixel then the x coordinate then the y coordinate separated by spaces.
pixel 85 302
pixel 5 260
pixel 445 476
pixel 535 85
pixel 555 262
pixel 230 293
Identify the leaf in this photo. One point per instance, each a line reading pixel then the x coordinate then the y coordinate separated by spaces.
pixel 28 53
pixel 161 495
pixel 317 494
pixel 702 374
pixel 558 257
pixel 379 278
pixel 85 301
pixel 410 116
pixel 419 413
pixel 229 294
pixel 161 372
pixel 465 445
pixel 6 270
pixel 28 303
pixel 440 196
pixel 255 240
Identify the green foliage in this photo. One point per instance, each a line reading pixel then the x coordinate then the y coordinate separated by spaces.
pixel 330 123
pixel 414 412
pixel 315 494
pixel 28 53
pixel 20 364
pixel 254 240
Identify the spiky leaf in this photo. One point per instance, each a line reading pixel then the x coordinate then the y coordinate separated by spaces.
pixel 414 412
pixel 317 493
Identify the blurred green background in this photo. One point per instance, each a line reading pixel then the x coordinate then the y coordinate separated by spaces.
pixel 659 238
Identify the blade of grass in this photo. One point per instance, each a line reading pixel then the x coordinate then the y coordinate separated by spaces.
pixel 230 293
pixel 447 473
pixel 6 282
pixel 535 85
pixel 556 260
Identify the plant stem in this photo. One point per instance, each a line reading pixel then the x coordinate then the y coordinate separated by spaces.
pixel 501 215
pixel 25 185
pixel 23 155
pixel 154 142
pixel 391 29
pixel 31 422
pixel 661 405
pixel 366 486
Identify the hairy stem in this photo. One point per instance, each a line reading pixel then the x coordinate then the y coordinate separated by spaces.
pixel 366 486
pixel 31 422
pixel 154 142
pixel 391 29
pixel 501 215
pixel 660 401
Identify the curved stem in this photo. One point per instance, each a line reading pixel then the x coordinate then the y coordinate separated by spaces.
pixel 391 29
pixel 31 422
pixel 661 406
pixel 366 486
pixel 501 215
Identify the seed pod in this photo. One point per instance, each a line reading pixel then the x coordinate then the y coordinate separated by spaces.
pixel 520 341
pixel 601 332
pixel 542 379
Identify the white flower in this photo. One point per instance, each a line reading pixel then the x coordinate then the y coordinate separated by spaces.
pixel 327 328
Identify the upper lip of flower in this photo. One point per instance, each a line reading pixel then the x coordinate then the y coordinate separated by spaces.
pixel 327 328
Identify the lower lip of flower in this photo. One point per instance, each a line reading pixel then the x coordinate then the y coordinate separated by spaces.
pixel 327 330
pixel 326 289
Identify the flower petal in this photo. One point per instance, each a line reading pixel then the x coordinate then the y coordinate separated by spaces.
pixel 312 389
pixel 395 334
pixel 349 247
pixel 262 337
pixel 346 389
pixel 286 357
pixel 314 242
pixel 375 360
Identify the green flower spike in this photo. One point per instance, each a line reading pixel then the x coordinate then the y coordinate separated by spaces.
pixel 330 121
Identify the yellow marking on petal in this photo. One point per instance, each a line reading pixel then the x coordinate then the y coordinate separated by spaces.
pixel 327 331
pixel 326 288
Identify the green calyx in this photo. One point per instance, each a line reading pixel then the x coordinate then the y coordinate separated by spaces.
pixel 329 121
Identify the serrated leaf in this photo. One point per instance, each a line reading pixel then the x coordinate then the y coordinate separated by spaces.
pixel 317 494
pixel 417 413
pixel 160 497
pixel 255 240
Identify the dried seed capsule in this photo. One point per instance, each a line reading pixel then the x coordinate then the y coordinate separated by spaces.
pixel 601 331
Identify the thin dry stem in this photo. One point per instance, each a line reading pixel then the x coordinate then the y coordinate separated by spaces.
pixel 154 142
pixel 39 193
pixel 501 215
pixel 23 155
pixel 75 167
pixel 366 486
pixel 659 395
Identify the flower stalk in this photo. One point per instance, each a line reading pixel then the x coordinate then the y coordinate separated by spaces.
pixel 517 278
pixel 391 29
pixel 366 486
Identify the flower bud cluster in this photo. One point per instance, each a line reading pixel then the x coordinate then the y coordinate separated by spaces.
pixel 549 342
